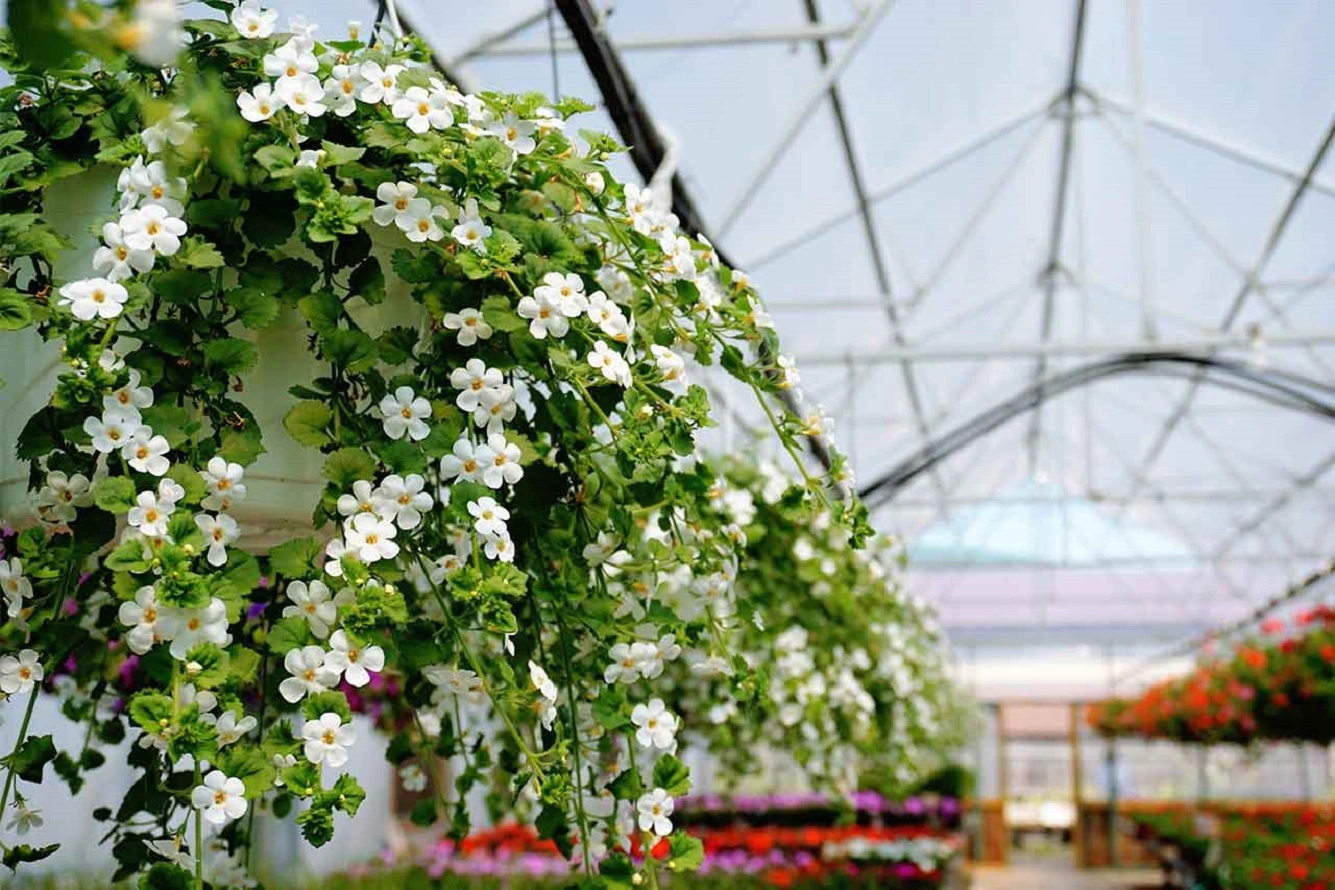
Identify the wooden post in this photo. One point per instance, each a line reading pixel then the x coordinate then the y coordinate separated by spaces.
pixel 1077 789
pixel 1113 858
pixel 1003 782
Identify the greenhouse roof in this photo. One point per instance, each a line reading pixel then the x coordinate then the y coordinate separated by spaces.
pixel 944 203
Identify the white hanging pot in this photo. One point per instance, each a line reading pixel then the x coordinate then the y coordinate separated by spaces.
pixel 284 483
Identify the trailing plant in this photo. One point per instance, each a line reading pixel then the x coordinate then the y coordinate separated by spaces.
pixel 481 339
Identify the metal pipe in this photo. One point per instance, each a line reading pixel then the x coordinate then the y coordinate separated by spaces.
pixel 987 351
pixel 494 47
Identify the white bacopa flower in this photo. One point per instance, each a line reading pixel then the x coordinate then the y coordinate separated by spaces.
pixel 314 603
pixel 671 366
pixel 150 514
pixel 223 479
pixel 412 778
pixel 207 624
pixel 15 587
pixel 394 198
pixel 422 110
pixel 489 517
pixel 130 398
pixel 310 157
pixel 170 849
pixel 380 83
pixel 170 491
pixel 327 740
pixel 642 208
pixel 304 94
pixel 174 129
pixel 221 798
pixel 545 317
pixel 405 413
pixel 597 552
pixel 790 378
pixel 654 808
pixel 462 463
pixel 472 380
pixel 616 283
pixel 154 32
pixel 624 667
pixel 668 648
pixel 152 227
pixel 149 622
pixel 403 499
pixel 362 500
pixel 648 660
pixel 609 317
pixel 515 133
pixel 471 230
pixel 370 537
pixel 59 498
pixel 354 662
pixel 459 683
pixel 470 324
pixel 302 31
pixel 542 683
pixel 147 453
pixel 288 63
pixel 421 221
pixel 564 291
pixel 656 726
pixel 252 22
pixel 115 260
pixel 148 184
pixel 259 103
pixel 19 674
pixel 340 90
pixel 496 408
pixel 712 666
pixel 91 298
pixel 500 461
pixel 230 729
pixel 499 547
pixel 612 366
pixel 310 674
pixel 547 121
pixel 25 818
pixel 218 531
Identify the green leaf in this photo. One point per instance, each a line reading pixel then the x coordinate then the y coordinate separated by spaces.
pixel 14 163
pixel 231 356
pixel 501 315
pixel 242 446
pixel 254 308
pixel 181 286
pixel 166 876
pixel 20 853
pixel 149 709
pixel 199 254
pixel 368 282
pixel 326 702
pixel 171 421
pixel 210 213
pixel 115 494
pixel 275 159
pixel 617 872
pixel 608 708
pixel 317 826
pixel 687 852
pixel 30 760
pixel 307 423
pixel 250 766
pixel 347 466
pixel 288 634
pixel 295 558
pixel 353 350
pixel 627 786
pixel 189 479
pixel 128 556
pixel 672 776
pixel 348 794
pixel 335 154
pixel 15 310
pixel 322 311
pixel 37 36
pixel 424 813
pixel 553 824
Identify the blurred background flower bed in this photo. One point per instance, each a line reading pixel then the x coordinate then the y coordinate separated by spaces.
pixel 1246 846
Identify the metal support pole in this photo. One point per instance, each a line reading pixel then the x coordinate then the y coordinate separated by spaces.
pixel 1202 773
pixel 802 113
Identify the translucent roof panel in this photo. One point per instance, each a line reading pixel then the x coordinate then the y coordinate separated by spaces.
pixel 1171 190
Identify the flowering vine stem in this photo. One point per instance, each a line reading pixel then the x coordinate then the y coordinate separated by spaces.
pixel 12 773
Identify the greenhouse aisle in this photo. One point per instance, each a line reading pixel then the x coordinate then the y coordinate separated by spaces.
pixel 1061 876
